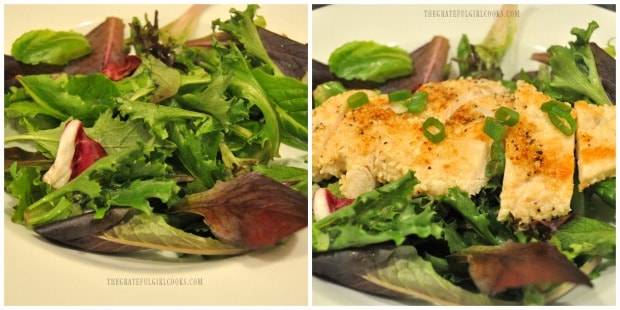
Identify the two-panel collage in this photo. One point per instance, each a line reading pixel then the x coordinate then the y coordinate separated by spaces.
pixel 304 155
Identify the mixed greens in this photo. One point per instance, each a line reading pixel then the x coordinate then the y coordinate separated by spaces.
pixel 172 133
pixel 452 249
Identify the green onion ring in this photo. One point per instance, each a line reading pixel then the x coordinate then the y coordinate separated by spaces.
pixel 433 123
pixel 507 116
pixel 559 115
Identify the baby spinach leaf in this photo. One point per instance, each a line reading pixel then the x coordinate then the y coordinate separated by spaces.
pixel 369 61
pixel 50 47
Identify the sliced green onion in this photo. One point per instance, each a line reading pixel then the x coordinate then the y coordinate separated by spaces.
pixel 498 160
pixel 555 105
pixel 357 100
pixel 494 128
pixel 326 90
pixel 507 116
pixel 399 95
pixel 434 130
pixel 562 121
pixel 418 102
pixel 559 115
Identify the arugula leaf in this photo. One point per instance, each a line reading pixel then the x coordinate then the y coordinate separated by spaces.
pixel 137 192
pixel 606 190
pixel 384 214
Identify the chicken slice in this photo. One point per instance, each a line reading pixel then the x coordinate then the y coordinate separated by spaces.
pixel 336 135
pixel 596 142
pixel 538 177
pixel 388 144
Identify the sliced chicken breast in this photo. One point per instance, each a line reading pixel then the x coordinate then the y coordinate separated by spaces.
pixel 596 142
pixel 538 178
pixel 377 143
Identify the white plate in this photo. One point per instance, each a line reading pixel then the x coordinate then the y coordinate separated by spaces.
pixel 38 272
pixel 410 26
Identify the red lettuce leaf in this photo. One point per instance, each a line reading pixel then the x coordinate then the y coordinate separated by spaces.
pixel 117 71
pixel 251 211
pixel 107 41
pixel 513 265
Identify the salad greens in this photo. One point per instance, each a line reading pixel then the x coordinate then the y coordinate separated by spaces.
pixel 184 120
pixel 451 249
pixel 483 60
pixel 369 60
pixel 51 47
pixel 574 75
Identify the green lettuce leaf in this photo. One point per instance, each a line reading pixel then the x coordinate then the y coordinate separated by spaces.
pixel 81 97
pixel 156 116
pixel 244 85
pixel 242 27
pixel 107 177
pixel 587 236
pixel 152 231
pixel 461 202
pixel 291 99
pixel 573 70
pixel 408 273
pixel 384 214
